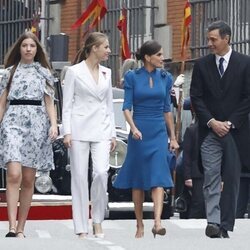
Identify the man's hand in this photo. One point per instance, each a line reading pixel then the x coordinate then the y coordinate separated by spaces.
pixel 189 183
pixel 220 128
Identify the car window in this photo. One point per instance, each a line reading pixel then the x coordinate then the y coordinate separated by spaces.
pixel 58 99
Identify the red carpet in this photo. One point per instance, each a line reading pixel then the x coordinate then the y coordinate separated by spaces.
pixel 43 207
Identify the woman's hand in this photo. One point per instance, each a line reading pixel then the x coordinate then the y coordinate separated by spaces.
pixel 136 134
pixel 113 144
pixel 173 145
pixel 53 132
pixel 67 141
pixel 3 101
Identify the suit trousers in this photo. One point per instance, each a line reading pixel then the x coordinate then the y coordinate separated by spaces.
pixel 221 163
pixel 243 197
pixel 197 206
pixel 79 157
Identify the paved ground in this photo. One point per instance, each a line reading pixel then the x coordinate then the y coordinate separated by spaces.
pixel 119 235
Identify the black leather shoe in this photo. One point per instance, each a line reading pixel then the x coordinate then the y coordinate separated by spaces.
pixel 10 234
pixel 213 230
pixel 224 233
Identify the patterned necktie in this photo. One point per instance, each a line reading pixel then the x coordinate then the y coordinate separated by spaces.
pixel 221 68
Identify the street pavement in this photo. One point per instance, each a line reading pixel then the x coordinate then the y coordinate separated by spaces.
pixel 119 235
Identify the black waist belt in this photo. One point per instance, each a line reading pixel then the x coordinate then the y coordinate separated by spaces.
pixel 26 102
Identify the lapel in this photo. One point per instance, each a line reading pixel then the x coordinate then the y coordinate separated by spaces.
pixel 229 75
pixel 213 76
pixel 103 81
pixel 85 77
pixel 220 85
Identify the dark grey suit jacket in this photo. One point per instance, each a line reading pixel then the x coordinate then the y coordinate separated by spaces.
pixel 192 166
pixel 225 99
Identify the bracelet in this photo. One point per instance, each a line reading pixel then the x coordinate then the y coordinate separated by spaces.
pixel 172 139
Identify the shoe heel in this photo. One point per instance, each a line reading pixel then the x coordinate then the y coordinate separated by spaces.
pixel 154 232
pixel 161 231
pixel 96 231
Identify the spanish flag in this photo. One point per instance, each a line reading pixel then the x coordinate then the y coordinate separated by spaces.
pixel 95 11
pixel 122 26
pixel 185 28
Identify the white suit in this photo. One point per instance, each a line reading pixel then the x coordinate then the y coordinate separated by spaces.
pixel 88 116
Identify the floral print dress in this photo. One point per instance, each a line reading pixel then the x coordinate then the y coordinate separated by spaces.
pixel 24 130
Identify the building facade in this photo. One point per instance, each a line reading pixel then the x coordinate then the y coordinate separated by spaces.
pixel 147 19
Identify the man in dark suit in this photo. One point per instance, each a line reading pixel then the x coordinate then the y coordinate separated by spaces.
pixel 220 95
pixel 244 191
pixel 192 175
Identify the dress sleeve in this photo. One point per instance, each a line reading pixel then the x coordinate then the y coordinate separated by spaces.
pixel 49 84
pixel 4 81
pixel 169 83
pixel 128 91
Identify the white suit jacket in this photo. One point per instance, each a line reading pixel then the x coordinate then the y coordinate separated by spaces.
pixel 88 107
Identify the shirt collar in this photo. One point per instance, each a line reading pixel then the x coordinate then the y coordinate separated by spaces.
pixel 226 56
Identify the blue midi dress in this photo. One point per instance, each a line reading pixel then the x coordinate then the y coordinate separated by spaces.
pixel 147 162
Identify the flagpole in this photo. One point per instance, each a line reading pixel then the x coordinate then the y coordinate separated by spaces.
pixel 120 58
pixel 98 24
pixel 179 106
pixel 185 37
pixel 124 47
pixel 120 61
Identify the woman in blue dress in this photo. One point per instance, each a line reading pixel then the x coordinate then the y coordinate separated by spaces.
pixel 146 167
pixel 27 125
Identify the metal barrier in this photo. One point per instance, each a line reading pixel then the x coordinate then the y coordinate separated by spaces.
pixel 140 21
pixel 16 16
pixel 234 12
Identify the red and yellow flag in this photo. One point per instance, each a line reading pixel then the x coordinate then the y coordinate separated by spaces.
pixel 122 26
pixel 185 28
pixel 95 11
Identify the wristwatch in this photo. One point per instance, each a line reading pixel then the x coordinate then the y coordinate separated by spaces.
pixel 229 124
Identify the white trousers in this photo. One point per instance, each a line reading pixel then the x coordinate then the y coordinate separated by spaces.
pixel 79 161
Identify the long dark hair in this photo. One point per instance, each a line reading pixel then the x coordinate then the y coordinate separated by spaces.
pixel 93 39
pixel 13 56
